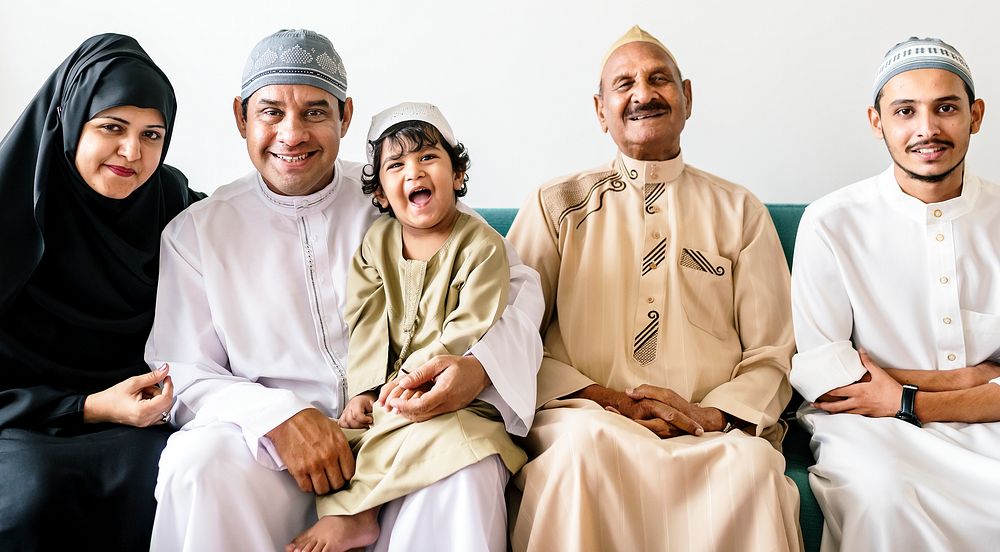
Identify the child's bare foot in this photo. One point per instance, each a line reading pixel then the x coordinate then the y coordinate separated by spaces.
pixel 338 533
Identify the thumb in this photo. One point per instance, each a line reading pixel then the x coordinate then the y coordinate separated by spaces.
pixel 426 373
pixel 152 378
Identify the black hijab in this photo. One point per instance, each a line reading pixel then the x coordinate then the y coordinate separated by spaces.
pixel 78 270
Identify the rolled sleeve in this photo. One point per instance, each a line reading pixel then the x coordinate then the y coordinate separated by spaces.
pixel 826 367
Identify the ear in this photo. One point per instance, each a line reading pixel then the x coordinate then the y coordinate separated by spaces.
pixel 686 88
pixel 345 122
pixel 978 111
pixel 380 197
pixel 599 108
pixel 459 181
pixel 241 123
pixel 875 120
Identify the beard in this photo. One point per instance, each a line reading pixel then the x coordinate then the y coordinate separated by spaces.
pixel 931 178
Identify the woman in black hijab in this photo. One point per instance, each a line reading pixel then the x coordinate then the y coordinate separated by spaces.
pixel 84 196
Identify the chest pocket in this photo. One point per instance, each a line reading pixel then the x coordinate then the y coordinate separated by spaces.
pixel 707 283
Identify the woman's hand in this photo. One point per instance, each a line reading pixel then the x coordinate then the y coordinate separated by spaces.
pixel 137 401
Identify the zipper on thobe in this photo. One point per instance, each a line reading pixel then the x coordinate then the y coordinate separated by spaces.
pixel 324 333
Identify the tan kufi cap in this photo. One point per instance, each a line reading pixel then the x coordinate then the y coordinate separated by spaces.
pixel 636 34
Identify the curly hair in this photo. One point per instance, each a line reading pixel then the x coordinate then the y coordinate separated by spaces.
pixel 413 136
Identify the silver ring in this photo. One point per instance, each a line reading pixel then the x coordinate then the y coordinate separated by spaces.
pixel 165 417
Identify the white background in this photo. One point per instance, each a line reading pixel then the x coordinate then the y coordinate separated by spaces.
pixel 780 87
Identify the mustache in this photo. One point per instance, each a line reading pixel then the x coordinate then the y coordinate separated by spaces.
pixel 651 106
pixel 927 143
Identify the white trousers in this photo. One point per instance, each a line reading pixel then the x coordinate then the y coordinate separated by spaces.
pixel 213 495
pixel 886 485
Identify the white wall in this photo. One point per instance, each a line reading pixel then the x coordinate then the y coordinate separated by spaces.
pixel 780 87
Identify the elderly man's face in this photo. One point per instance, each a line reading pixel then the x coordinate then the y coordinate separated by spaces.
pixel 293 134
pixel 643 102
pixel 926 120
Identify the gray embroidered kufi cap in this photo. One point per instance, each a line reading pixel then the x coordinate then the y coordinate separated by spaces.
pixel 295 56
pixel 408 111
pixel 922 53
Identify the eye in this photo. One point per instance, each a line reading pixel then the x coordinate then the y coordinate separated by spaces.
pixel 393 165
pixel 623 85
pixel 111 127
pixel 315 114
pixel 904 111
pixel 270 112
pixel 428 156
pixel 947 108
pixel 152 135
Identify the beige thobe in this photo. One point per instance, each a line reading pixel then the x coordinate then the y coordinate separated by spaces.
pixel 402 313
pixel 656 273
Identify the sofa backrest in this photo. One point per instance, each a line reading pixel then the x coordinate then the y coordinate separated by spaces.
pixel 785 216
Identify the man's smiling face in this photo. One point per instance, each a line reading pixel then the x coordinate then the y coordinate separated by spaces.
pixel 643 103
pixel 293 134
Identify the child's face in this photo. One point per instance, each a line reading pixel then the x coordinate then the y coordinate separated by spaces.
pixel 419 185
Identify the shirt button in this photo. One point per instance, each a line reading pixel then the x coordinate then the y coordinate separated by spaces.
pixel 951 356
pixel 650 300
pixel 946 320
pixel 943 280
pixel 937 213
pixel 654 209
pixel 656 235
pixel 652 266
pixel 939 237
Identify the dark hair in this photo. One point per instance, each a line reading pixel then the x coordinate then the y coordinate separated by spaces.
pixel 246 101
pixel 413 136
pixel 968 92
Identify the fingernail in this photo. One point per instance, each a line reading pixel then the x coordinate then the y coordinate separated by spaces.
pixel 163 367
pixel 629 390
pixel 699 431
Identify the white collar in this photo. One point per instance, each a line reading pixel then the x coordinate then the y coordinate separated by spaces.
pixel 298 205
pixel 927 213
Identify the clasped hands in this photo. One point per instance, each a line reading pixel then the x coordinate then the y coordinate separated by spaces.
pixel 316 451
pixel 658 409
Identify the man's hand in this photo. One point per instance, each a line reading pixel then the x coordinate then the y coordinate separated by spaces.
pixel 137 401
pixel 662 419
pixel 445 383
pixel 708 418
pixel 876 397
pixel 358 412
pixel 315 451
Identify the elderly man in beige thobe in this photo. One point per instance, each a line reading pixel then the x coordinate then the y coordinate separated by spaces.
pixel 668 341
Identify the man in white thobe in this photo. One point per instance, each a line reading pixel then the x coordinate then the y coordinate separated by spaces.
pixel 898 271
pixel 250 319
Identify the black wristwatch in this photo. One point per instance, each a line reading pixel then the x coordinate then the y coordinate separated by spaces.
pixel 906 405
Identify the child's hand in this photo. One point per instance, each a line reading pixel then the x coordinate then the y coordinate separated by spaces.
pixel 358 412
pixel 393 390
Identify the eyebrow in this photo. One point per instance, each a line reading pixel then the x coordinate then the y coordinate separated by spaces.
pixel 276 103
pixel 125 122
pixel 951 98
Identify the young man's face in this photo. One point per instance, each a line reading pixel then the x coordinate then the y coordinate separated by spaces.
pixel 643 102
pixel 926 122
pixel 293 134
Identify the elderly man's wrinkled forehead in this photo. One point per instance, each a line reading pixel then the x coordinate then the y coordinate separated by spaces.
pixel 629 59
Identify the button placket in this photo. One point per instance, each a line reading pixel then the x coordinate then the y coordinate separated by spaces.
pixel 947 322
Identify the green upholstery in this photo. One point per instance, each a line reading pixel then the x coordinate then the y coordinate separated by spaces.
pixel 798 457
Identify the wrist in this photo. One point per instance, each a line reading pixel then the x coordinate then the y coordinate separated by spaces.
pixel 92 409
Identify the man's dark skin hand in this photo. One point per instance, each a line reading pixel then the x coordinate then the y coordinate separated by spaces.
pixel 315 451
pixel 659 410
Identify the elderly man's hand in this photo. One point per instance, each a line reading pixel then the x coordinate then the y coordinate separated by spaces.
pixel 662 419
pixel 708 418
pixel 877 396
pixel 315 451
pixel 455 381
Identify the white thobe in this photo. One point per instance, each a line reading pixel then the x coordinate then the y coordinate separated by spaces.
pixel 913 285
pixel 250 318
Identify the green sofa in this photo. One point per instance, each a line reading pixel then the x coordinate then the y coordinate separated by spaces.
pixel 798 457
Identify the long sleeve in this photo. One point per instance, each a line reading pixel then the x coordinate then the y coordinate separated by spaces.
pixel 759 389
pixel 822 316
pixel 511 350
pixel 536 241
pixel 365 315
pixel 41 408
pixel 185 336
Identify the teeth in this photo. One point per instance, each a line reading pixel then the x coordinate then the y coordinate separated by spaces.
pixel 928 150
pixel 291 159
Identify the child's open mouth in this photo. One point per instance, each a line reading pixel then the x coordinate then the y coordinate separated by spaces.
pixel 420 196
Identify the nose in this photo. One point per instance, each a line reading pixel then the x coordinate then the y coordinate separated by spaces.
pixel 642 91
pixel 413 170
pixel 928 124
pixel 129 148
pixel 292 131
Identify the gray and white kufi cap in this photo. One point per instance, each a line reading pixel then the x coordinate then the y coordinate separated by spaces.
pixel 295 56
pixel 408 111
pixel 921 53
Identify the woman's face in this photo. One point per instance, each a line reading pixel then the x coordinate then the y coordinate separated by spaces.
pixel 119 149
